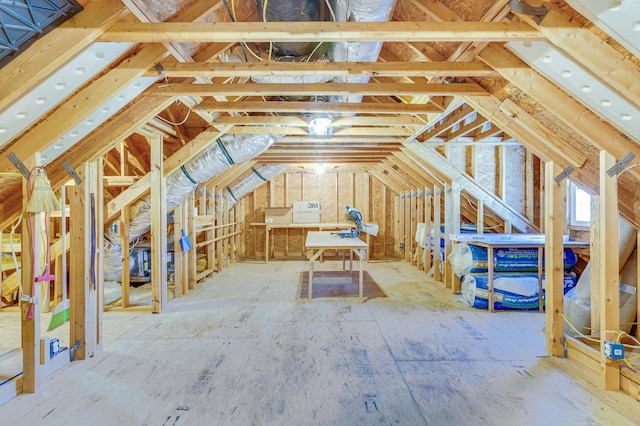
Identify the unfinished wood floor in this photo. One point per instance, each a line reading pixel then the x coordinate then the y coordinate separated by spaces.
pixel 246 348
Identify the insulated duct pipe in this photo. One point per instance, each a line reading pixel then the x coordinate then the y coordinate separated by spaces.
pixel 256 178
pixel 221 154
pixel 358 51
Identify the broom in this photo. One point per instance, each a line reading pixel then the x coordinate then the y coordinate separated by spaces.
pixel 42 198
pixel 61 311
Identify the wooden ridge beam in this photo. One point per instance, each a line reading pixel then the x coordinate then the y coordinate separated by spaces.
pixel 399 31
pixel 335 107
pixel 316 89
pixel 294 69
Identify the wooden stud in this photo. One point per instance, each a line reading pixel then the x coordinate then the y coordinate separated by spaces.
pixel 448 220
pixel 554 263
pixel 609 270
pixel 99 257
pixel 428 195
pixel 595 263
pixel 480 218
pixel 193 258
pixel 158 228
pixel 83 285
pixel 125 300
pixel 30 313
pixel 456 189
pixel 178 254
pixel 437 273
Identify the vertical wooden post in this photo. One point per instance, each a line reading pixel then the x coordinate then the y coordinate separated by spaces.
pixel 480 218
pixel 609 270
pixel 407 227
pixel 529 193
pixel 554 263
pixel 83 283
pixel 427 229
pixel 99 256
pixel 30 309
pixel 158 228
pixel 448 220
pixel 125 300
pixel 437 273
pixel 455 229
pixel 210 235
pixel 638 277
pixel 219 223
pixel 193 258
pixel 185 256
pixel 595 263
pixel 420 219
pixel 178 254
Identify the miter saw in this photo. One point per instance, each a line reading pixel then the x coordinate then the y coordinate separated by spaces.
pixel 353 215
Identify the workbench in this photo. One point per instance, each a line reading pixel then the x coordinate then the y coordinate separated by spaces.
pixel 518 241
pixel 320 226
pixel 319 241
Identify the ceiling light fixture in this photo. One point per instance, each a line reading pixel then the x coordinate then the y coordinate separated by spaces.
pixel 320 124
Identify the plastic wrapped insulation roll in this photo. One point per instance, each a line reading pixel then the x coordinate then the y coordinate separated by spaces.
pixel 511 291
pixel 467 258
pixel 257 177
pixel 358 11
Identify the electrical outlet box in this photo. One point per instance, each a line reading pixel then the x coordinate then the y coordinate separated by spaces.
pixel 613 350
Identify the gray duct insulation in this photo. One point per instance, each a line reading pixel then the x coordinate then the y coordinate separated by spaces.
pixel 220 155
pixel 360 51
pixel 289 11
pixel 251 182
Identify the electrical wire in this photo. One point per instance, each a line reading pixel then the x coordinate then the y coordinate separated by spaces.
pixel 626 169
pixel 577 331
pixel 176 124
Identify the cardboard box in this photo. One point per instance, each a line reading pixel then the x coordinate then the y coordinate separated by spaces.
pixel 277 215
pixel 306 217
pixel 306 207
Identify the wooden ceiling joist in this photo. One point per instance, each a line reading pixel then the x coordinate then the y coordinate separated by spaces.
pixel 203 32
pixel 297 69
pixel 310 107
pixel 318 89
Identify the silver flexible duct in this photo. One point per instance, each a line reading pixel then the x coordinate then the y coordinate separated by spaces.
pixel 256 178
pixel 220 155
pixel 358 51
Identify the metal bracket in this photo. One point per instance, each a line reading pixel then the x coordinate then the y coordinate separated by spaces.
pixel 19 165
pixel 159 68
pixel 199 192
pixel 72 172
pixel 563 175
pixel 620 164
pixel 538 13
pixel 209 194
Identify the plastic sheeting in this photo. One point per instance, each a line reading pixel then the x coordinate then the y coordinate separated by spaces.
pixel 466 258
pixel 510 291
pixel 360 51
pixel 256 178
pixel 220 155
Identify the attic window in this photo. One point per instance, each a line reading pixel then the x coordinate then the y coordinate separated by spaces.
pixel 24 21
pixel 579 206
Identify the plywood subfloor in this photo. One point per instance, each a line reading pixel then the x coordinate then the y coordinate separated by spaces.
pixel 246 348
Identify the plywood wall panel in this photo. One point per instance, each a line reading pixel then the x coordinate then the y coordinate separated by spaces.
pixel 328 187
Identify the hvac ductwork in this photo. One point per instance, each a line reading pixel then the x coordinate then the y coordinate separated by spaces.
pixel 222 154
pixel 360 51
pixel 251 182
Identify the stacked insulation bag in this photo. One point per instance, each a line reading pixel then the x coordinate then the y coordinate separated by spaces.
pixel 515 278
